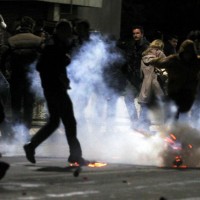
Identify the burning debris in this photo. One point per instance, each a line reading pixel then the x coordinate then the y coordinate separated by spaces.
pixel 78 168
pixel 182 147
pixel 92 164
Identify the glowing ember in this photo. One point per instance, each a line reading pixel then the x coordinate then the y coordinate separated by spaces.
pixel 173 136
pixel 74 164
pixel 190 146
pixel 178 149
pixel 97 164
pixel 178 160
pixel 91 164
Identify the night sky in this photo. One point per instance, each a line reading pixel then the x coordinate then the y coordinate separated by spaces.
pixel 162 17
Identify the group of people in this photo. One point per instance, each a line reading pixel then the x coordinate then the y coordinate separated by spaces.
pixel 51 57
pixel 142 68
pixel 161 72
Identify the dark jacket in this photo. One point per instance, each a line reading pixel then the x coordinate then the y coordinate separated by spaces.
pixel 133 53
pixel 52 66
pixel 23 49
pixel 169 49
pixel 183 75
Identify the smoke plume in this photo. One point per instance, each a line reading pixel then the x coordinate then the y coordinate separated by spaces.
pixel 104 128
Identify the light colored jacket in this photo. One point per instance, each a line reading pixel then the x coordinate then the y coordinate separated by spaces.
pixel 150 83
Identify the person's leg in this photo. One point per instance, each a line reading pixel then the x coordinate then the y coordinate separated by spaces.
pixel 16 103
pixel 69 122
pixel 53 123
pixel 3 168
pixel 130 95
pixel 28 106
pixel 144 121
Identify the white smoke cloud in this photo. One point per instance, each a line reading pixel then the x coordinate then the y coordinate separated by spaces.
pixel 114 140
pixel 86 71
pixel 33 76
pixel 110 140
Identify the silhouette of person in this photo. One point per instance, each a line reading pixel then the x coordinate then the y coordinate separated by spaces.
pixel 183 75
pixel 23 50
pixel 133 53
pixel 52 68
pixel 170 45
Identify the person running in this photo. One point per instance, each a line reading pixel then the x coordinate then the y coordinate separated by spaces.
pixel 52 68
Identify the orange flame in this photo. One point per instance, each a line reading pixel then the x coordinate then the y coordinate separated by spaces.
pixel 97 164
pixel 91 164
pixel 173 136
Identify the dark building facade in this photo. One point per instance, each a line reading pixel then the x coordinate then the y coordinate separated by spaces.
pixel 103 15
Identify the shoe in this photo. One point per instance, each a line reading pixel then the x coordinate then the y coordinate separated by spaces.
pixel 30 152
pixel 3 168
pixel 79 160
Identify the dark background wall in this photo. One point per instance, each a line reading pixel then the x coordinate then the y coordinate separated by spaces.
pixel 160 17
pixel 157 17
pixel 105 19
pixel 13 11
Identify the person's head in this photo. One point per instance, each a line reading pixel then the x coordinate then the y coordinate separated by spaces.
pixel 82 29
pixel 27 22
pixel 173 40
pixel 63 30
pixel 187 51
pixel 138 33
pixel 195 36
pixel 158 44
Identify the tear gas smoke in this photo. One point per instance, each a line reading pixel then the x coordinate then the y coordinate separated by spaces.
pixel 33 76
pixel 100 134
pixel 181 137
pixel 187 140
pixel 15 147
pixel 111 139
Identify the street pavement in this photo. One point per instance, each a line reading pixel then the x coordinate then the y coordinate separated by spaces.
pixel 132 171
pixel 52 178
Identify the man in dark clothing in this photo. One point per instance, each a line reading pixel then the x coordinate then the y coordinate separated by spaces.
pixel 170 45
pixel 52 68
pixel 133 52
pixel 3 165
pixel 194 35
pixel 140 45
pixel 23 50
pixel 4 87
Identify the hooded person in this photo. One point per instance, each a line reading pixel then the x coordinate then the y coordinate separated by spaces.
pixel 183 75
